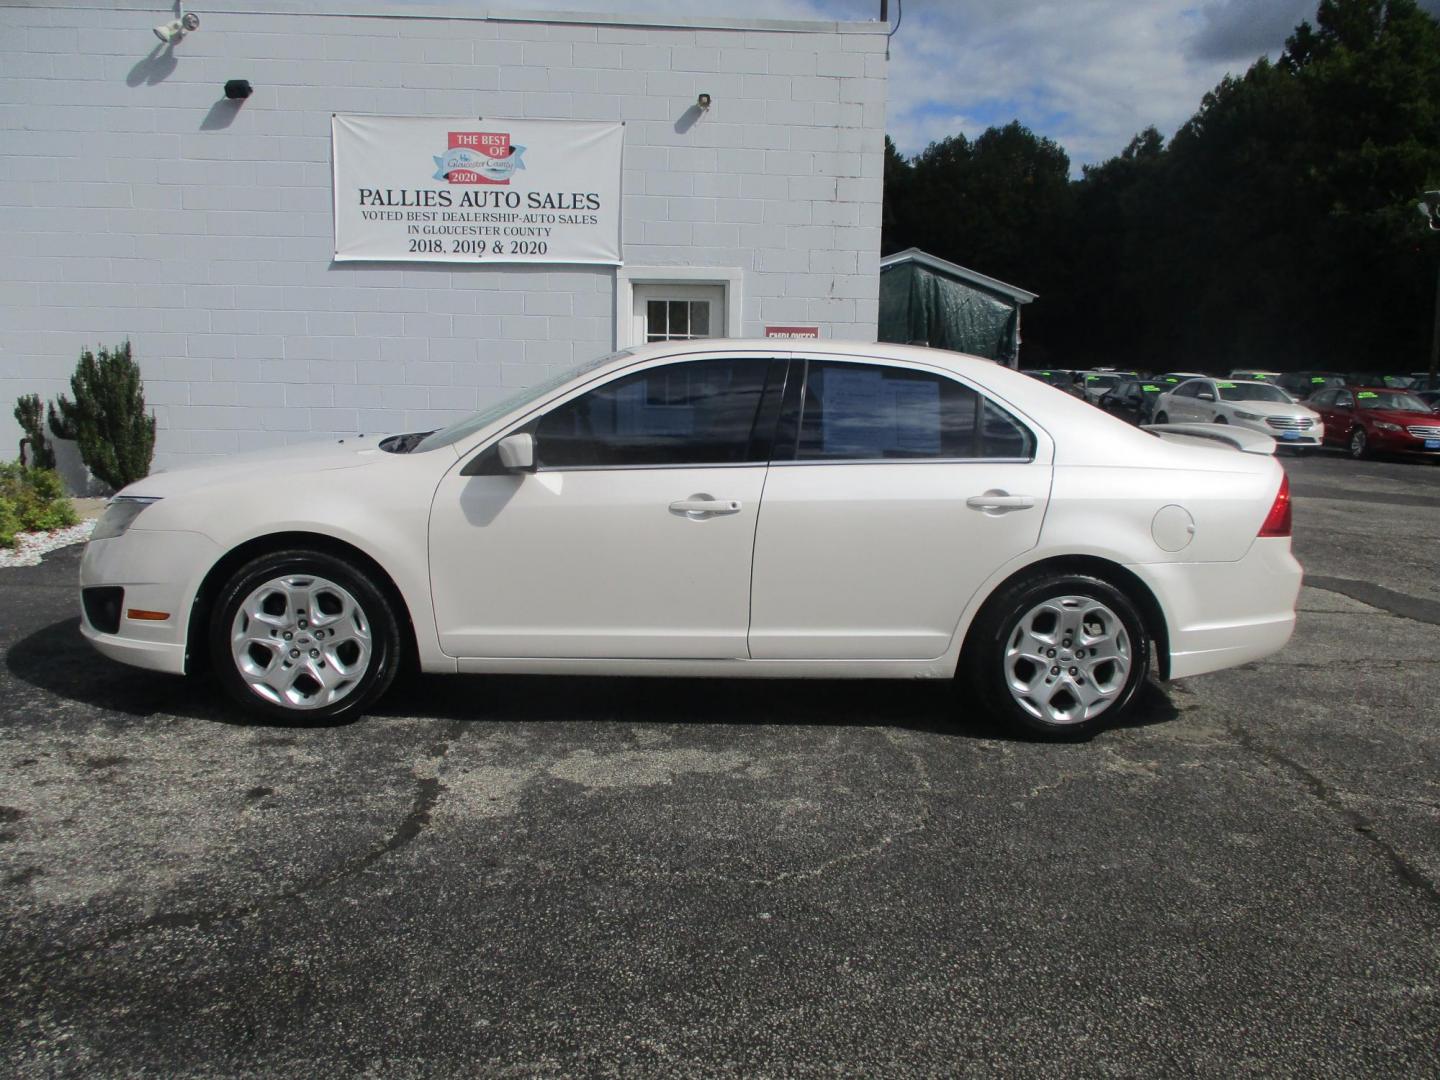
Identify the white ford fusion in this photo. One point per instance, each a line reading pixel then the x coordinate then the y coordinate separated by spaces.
pixel 723 508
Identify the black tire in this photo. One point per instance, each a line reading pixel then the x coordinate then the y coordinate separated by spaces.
pixel 1359 446
pixel 376 614
pixel 1162 418
pixel 1221 420
pixel 999 623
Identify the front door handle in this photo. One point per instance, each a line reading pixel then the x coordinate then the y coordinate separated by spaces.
pixel 999 502
pixel 703 505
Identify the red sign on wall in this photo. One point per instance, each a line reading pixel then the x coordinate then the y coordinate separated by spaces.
pixel 792 331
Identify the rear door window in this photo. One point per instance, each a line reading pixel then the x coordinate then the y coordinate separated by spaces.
pixel 873 412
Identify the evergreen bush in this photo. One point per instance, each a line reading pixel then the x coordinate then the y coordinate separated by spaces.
pixel 30 415
pixel 9 522
pixel 107 419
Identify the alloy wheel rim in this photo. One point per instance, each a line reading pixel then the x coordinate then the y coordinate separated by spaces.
pixel 301 642
pixel 1357 442
pixel 1067 659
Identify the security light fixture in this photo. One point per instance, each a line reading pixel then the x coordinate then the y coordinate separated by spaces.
pixel 1429 207
pixel 703 102
pixel 238 89
pixel 176 29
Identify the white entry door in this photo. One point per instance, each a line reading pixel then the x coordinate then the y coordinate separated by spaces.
pixel 678 312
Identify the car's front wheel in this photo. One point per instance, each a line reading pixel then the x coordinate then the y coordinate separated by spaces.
pixel 1060 655
pixel 1359 445
pixel 304 637
pixel 1161 418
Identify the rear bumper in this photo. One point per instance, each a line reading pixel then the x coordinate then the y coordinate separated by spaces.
pixel 1221 615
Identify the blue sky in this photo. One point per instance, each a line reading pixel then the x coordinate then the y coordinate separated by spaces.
pixel 1087 73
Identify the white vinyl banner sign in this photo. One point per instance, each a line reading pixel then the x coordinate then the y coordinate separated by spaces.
pixel 418 189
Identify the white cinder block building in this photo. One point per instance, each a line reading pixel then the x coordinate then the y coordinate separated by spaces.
pixel 137 200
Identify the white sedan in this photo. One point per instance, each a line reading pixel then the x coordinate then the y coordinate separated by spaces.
pixel 1257 405
pixel 720 508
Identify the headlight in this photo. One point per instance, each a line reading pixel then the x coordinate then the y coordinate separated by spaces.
pixel 121 511
pixel 1383 426
pixel 1247 415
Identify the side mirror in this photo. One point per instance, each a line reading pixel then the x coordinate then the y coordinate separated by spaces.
pixel 1205 395
pixel 517 452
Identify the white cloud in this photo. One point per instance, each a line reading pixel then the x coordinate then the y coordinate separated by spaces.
pixel 1088 73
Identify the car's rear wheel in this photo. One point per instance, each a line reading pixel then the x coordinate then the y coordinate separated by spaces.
pixel 304 637
pixel 1359 445
pixel 1059 656
pixel 1221 420
pixel 1161 418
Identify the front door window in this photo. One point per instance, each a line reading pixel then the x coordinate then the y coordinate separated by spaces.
pixel 699 412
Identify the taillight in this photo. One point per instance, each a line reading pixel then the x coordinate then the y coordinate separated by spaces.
pixel 1277 522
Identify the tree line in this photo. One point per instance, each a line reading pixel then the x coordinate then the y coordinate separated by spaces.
pixel 1277 229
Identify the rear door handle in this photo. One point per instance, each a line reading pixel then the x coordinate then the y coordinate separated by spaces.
pixel 696 506
pixel 998 502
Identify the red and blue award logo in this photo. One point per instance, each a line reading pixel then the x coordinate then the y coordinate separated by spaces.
pixel 479 157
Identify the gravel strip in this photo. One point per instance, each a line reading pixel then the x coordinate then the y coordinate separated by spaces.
pixel 31 546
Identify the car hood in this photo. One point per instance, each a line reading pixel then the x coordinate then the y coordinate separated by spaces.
pixel 1270 408
pixel 1402 417
pixel 284 463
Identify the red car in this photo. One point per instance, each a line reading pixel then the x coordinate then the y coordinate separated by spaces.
pixel 1371 420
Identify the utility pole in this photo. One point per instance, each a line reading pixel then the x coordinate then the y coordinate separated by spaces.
pixel 1429 205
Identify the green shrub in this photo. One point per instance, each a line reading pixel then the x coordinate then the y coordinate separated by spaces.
pixel 31 500
pixel 35 449
pixel 107 419
pixel 9 522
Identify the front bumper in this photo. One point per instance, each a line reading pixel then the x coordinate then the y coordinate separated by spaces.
pixel 1301 437
pixel 1401 442
pixel 159 572
pixel 1225 614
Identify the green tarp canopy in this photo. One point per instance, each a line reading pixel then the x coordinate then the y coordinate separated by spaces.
pixel 937 303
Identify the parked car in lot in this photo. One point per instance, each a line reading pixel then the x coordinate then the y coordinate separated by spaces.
pixel 1096 384
pixel 1133 400
pixel 1422 380
pixel 1060 379
pixel 1430 398
pixel 717 508
pixel 1254 405
pixel 1371 379
pixel 1378 420
pixel 1174 378
pixel 1252 375
pixel 1301 384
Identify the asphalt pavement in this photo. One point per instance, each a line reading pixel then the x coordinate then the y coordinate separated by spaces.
pixel 568 877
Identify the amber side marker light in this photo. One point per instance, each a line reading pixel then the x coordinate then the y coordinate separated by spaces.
pixel 141 615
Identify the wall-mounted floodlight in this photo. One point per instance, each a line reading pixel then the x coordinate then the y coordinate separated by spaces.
pixel 176 29
pixel 238 89
pixel 1429 207
pixel 703 102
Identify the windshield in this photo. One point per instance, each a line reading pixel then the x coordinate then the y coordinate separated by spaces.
pixel 1389 399
pixel 1254 392
pixel 464 428
pixel 1101 380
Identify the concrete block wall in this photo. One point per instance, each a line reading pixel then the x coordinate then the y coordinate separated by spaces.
pixel 135 201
